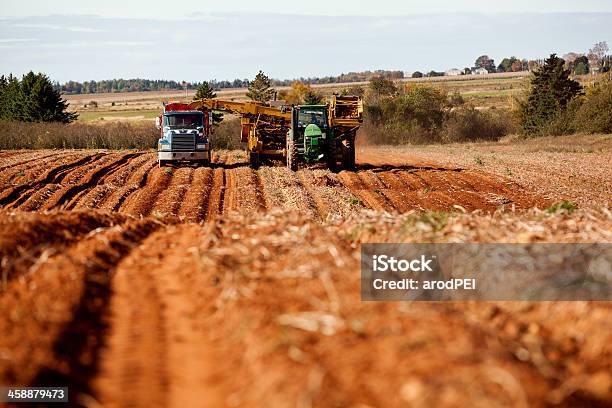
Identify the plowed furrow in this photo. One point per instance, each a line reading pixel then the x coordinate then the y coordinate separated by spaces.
pixel 282 189
pixel 47 196
pixel 11 153
pixel 262 199
pixel 216 197
pixel 401 192
pixel 170 200
pixel 214 207
pixel 27 241
pixel 19 164
pixel 157 180
pixel 242 194
pixel 395 191
pixel 57 343
pixel 413 180
pixel 135 182
pixel 193 208
pixel 363 192
pixel 157 352
pixel 229 202
pixel 440 195
pixel 17 195
pixel 483 182
pixel 69 198
pixel 97 196
pixel 378 188
pixel 306 182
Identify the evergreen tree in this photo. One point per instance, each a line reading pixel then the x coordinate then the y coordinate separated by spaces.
pixel 260 89
pixel 550 91
pixel 3 101
pixel 13 100
pixel 312 97
pixel 205 91
pixel 33 99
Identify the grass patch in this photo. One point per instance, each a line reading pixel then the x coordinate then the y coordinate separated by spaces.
pixel 562 206
pixel 437 220
pixel 352 200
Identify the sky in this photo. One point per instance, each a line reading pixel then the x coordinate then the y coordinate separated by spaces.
pixel 197 40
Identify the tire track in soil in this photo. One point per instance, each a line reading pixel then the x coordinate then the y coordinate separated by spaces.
pixel 97 196
pixel 171 199
pixel 57 343
pixel 14 197
pixel 157 353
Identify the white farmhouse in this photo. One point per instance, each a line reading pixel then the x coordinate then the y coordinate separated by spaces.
pixel 453 72
pixel 479 71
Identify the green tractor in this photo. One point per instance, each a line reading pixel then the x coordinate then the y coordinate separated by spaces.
pixel 324 133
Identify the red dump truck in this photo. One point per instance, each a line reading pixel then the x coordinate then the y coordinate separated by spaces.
pixel 185 134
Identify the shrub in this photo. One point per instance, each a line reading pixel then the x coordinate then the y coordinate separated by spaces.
pixel 227 135
pixel 594 114
pixel 20 135
pixel 468 124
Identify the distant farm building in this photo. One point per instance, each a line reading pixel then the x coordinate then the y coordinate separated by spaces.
pixel 453 72
pixel 479 71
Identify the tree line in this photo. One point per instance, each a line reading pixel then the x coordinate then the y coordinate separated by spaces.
pixel 141 85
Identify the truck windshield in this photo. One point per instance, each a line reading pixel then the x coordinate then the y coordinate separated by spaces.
pixel 184 121
pixel 311 116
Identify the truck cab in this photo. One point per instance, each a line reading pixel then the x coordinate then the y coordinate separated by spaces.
pixel 184 135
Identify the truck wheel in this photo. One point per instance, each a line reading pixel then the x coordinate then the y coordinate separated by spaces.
pixel 348 156
pixel 161 163
pixel 292 156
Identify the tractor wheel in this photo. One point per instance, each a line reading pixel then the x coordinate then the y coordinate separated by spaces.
pixel 331 156
pixel 254 160
pixel 292 156
pixel 348 154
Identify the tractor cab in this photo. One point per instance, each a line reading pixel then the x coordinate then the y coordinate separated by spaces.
pixel 309 128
